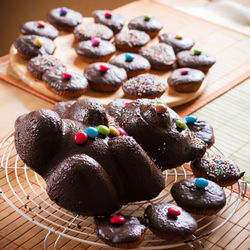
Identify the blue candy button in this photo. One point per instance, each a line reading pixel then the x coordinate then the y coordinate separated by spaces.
pixel 201 182
pixel 63 11
pixel 191 119
pixel 129 57
pixel 91 132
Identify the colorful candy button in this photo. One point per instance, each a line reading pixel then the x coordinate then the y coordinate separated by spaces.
pixel 114 131
pixel 108 14
pixel 126 103
pixel 95 41
pixel 197 52
pixel 39 42
pixel 184 71
pixel 129 57
pixel 122 131
pixel 102 129
pixel 191 119
pixel 160 108
pixel 80 138
pixel 91 132
pixel 201 182
pixel 103 68
pixel 178 36
pixel 181 125
pixel 66 75
pixel 118 219
pixel 174 211
pixel 40 24
pixel 147 18
pixel 63 11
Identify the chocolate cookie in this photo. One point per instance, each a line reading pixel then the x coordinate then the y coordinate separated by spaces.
pixel 131 40
pixel 144 86
pixel 199 196
pixel 95 50
pixel 185 80
pixel 177 41
pixel 201 129
pixel 64 18
pixel 111 19
pixel 151 25
pixel 104 76
pixel 195 59
pixel 134 64
pixel 66 84
pixel 87 31
pixel 170 222
pixel 217 168
pixel 31 45
pixel 39 28
pixel 120 231
pixel 38 65
pixel 161 56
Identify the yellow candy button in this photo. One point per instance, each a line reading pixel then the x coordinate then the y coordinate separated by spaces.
pixel 39 42
pixel 178 36
pixel 114 131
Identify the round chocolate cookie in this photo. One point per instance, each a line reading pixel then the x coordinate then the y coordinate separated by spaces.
pixel 31 45
pixel 151 25
pixel 199 196
pixel 38 65
pixel 134 64
pixel 185 80
pixel 111 19
pixel 170 222
pixel 87 31
pixel 66 84
pixel 217 168
pixel 144 86
pixel 95 50
pixel 161 56
pixel 131 40
pixel 195 59
pixel 39 28
pixel 104 76
pixel 120 231
pixel 201 129
pixel 177 41
pixel 64 18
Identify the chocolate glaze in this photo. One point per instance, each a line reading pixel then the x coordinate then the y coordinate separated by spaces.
pixel 203 130
pixel 32 28
pixel 144 86
pixel 138 63
pixel 217 168
pixel 158 134
pixel 70 20
pixel 85 48
pixel 130 231
pixel 170 226
pixel 138 23
pixel 25 45
pixel 115 22
pixel 56 81
pixel 132 38
pixel 86 31
pixel 113 77
pixel 186 43
pixel 91 179
pixel 159 54
pixel 40 64
pixel 189 59
pixel 190 197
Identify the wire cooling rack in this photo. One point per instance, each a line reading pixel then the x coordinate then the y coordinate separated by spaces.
pixel 24 191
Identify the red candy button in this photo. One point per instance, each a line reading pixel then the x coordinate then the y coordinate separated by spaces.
pixel 66 75
pixel 174 211
pixel 126 103
pixel 108 14
pixel 103 68
pixel 122 131
pixel 118 219
pixel 41 24
pixel 80 138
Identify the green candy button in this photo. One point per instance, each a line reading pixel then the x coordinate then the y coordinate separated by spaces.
pixel 147 18
pixel 197 51
pixel 160 102
pixel 181 125
pixel 104 130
